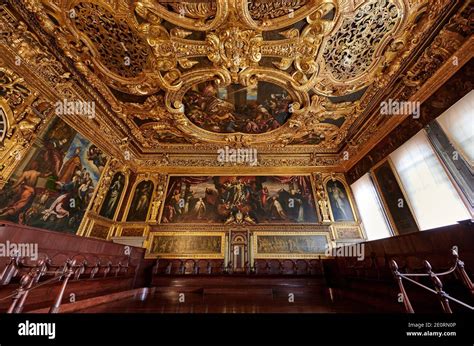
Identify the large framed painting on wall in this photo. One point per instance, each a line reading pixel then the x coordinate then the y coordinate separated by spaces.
pixel 112 199
pixel 339 201
pixel 239 199
pixel 394 200
pixel 54 184
pixel 187 244
pixel 290 244
pixel 140 205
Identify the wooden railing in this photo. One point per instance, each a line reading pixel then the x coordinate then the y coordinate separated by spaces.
pixel 443 297
pixel 31 275
pixel 216 267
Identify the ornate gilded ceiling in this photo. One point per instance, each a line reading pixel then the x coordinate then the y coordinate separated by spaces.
pixel 294 76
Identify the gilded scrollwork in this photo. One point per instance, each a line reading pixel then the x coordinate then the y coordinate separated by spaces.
pixel 235 48
pixel 22 115
pixel 335 59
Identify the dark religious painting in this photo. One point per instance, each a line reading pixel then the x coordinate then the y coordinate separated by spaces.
pixel 236 108
pixel 53 187
pixel 112 198
pixel 240 199
pixel 291 244
pixel 394 199
pixel 179 244
pixel 141 201
pixel 340 204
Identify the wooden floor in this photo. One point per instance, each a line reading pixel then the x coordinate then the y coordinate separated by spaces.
pixel 253 301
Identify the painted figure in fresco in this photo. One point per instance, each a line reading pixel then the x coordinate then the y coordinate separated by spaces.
pixel 52 192
pixel 144 198
pixel 237 108
pixel 54 153
pixel 113 198
pixel 265 195
pixel 57 208
pixel 57 141
pixel 26 191
pixel 339 197
pixel 141 202
pixel 339 202
pixel 74 197
pixel 276 209
pixel 199 209
pixel 97 157
pixel 70 167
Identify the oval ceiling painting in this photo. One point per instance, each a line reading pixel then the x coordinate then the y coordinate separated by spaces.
pixel 237 108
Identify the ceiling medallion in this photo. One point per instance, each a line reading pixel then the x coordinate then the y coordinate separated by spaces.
pixel 234 49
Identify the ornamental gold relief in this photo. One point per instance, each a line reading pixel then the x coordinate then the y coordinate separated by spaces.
pixel 142 61
pixel 156 50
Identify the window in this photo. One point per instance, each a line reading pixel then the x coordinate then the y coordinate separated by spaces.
pixel 434 199
pixel 458 123
pixel 370 208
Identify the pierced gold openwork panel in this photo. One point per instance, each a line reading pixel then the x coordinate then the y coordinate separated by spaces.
pixel 350 51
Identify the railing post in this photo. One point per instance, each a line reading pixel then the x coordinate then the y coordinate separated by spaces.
pixel 396 274
pixel 462 272
pixel 36 273
pixel 156 267
pixel 439 288
pixel 24 282
pixel 107 269
pixel 118 269
pixel 126 266
pixel 80 270
pixel 10 271
pixel 69 271
pixel 95 269
pixel 196 267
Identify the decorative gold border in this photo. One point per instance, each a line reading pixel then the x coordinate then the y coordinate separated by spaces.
pixel 152 236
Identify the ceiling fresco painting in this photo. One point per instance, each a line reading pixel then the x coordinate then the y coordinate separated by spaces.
pixel 235 108
pixel 176 78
